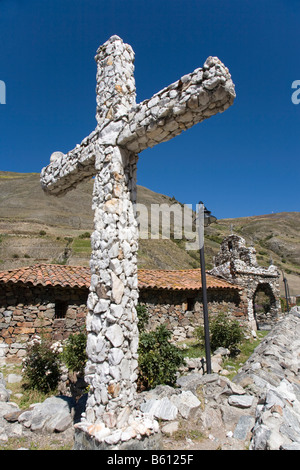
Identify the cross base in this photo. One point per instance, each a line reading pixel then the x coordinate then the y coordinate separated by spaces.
pixel 140 433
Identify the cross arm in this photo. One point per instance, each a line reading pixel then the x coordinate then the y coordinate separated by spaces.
pixel 195 97
pixel 66 170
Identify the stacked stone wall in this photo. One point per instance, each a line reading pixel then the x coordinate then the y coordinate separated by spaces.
pixel 25 312
pixel 272 375
pixel 182 311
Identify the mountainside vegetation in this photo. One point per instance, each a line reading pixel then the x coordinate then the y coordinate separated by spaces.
pixel 37 228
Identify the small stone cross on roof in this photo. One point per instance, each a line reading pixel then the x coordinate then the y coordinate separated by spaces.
pixel 109 153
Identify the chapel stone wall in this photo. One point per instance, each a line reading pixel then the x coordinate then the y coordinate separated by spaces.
pixel 182 311
pixel 24 312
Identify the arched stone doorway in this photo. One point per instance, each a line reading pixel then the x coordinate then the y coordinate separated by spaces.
pixel 264 306
pixel 237 263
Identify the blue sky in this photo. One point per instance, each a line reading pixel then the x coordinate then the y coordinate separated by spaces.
pixel 240 163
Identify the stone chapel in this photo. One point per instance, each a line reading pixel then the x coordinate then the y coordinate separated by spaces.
pixel 237 263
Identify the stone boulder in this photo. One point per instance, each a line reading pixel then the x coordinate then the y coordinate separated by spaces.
pixel 4 393
pixel 54 415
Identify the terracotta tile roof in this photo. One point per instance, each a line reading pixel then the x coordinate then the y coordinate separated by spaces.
pixel 79 276
pixel 49 275
pixel 187 279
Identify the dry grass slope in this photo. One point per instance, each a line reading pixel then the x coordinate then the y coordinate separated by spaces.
pixel 35 227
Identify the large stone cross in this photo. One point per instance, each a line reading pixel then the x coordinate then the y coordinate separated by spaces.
pixel 109 154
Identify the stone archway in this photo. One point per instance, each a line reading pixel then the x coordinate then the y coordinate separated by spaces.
pixel 264 306
pixel 237 263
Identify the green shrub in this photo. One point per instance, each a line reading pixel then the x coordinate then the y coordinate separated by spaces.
pixel 283 304
pixel 74 353
pixel 159 360
pixel 143 316
pixel 225 333
pixel 41 367
pixel 199 333
pixel 85 235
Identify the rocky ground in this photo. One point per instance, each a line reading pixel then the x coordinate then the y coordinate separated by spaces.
pixel 259 409
pixel 191 417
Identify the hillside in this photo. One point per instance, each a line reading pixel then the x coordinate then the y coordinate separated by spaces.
pixel 274 236
pixel 36 228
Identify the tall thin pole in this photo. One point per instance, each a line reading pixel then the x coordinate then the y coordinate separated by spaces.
pixel 286 288
pixel 205 312
pixel 286 295
pixel 204 288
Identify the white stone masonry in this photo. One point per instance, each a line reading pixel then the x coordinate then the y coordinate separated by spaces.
pixel 109 153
